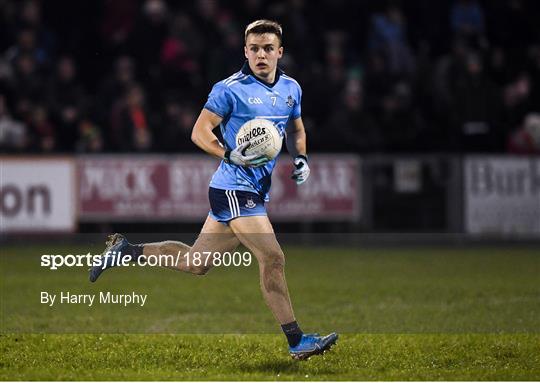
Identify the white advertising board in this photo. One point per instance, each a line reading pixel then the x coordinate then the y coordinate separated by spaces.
pixel 37 195
pixel 502 195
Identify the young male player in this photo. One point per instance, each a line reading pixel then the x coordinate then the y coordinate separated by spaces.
pixel 258 90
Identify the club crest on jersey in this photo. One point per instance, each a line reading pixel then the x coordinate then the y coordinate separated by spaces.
pixel 290 101
pixel 250 204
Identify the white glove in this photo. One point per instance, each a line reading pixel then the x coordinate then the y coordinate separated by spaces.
pixel 238 157
pixel 301 171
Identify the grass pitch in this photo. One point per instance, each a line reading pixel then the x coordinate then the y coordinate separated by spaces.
pixel 403 314
pixel 263 357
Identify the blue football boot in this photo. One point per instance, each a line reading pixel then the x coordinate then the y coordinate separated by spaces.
pixel 312 344
pixel 115 245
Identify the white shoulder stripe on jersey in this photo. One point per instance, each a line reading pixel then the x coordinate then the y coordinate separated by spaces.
pixel 240 79
pixel 290 79
pixel 231 78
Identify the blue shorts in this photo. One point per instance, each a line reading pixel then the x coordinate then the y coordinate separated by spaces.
pixel 226 205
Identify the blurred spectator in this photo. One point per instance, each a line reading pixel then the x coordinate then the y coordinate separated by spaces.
pixel 377 81
pixel 526 139
pixel 176 58
pixel 26 45
pixel 13 133
pixel 517 101
pixel 27 82
pixel 31 18
pixel 8 11
pixel 353 129
pixel 475 108
pixel 335 60
pixel 388 37
pixel 118 22
pixel 452 75
pixel 513 26
pixel 130 121
pixel 467 18
pixel 114 87
pixel 399 121
pixel 534 72
pixel 66 100
pixel 147 39
pixel 227 58
pixel 447 70
pixel 175 130
pixel 43 131
pixel 206 15
pixel 90 139
pixel 498 66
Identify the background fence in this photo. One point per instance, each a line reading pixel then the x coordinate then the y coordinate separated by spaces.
pixel 477 195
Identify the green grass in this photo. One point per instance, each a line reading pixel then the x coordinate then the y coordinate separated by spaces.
pixel 403 314
pixel 263 357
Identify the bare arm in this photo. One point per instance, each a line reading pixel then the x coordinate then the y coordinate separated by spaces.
pixel 296 138
pixel 203 135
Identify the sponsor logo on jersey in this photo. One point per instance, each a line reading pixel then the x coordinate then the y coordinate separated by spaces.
pixel 255 100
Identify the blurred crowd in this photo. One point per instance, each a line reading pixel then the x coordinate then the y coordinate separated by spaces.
pixel 377 76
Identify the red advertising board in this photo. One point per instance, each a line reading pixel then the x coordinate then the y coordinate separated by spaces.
pixel 175 188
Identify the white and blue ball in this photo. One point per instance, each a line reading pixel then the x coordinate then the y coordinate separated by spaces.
pixel 263 136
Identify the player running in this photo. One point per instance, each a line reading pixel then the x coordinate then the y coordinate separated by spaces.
pixel 239 187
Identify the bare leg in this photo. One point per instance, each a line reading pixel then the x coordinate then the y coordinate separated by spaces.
pixel 214 237
pixel 257 234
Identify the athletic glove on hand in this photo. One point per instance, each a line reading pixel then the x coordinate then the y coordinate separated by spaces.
pixel 301 171
pixel 238 157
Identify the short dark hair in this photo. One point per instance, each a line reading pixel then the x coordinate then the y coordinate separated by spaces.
pixel 259 27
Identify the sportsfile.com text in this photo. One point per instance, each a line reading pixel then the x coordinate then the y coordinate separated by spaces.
pixel 205 258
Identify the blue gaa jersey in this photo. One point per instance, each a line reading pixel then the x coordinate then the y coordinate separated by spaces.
pixel 243 97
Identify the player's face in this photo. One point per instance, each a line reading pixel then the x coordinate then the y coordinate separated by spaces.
pixel 263 52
